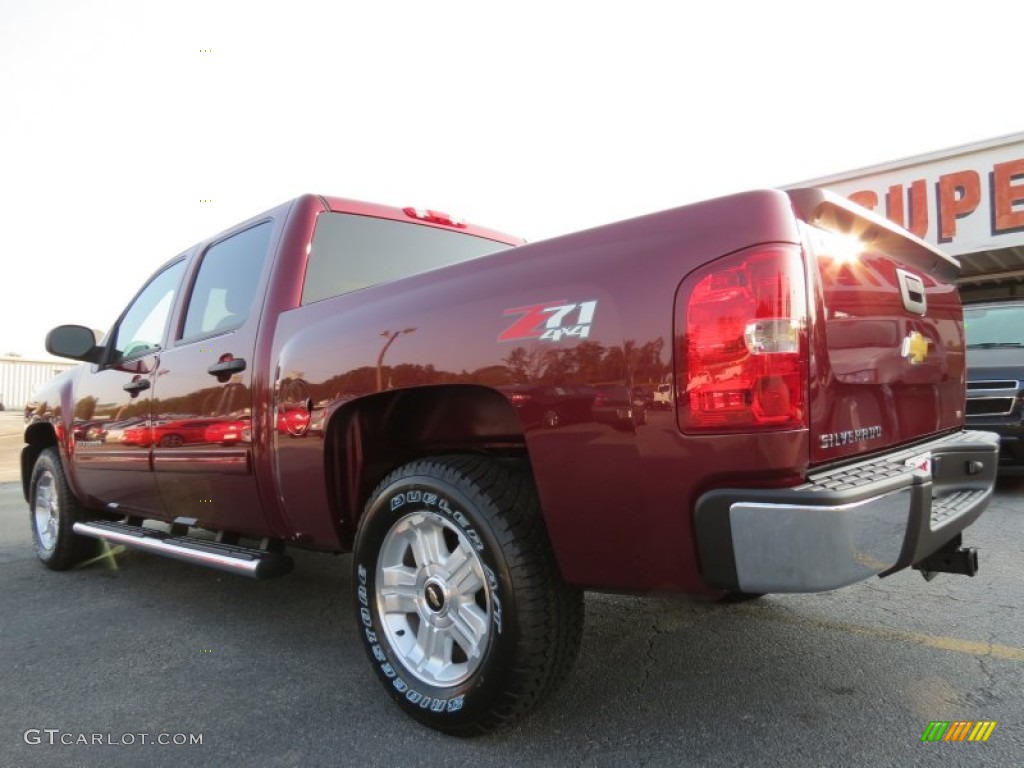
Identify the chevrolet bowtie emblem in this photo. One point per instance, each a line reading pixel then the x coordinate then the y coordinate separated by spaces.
pixel 915 348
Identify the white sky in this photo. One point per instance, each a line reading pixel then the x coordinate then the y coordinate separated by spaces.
pixel 536 118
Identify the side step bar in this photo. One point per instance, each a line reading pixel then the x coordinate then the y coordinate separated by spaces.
pixel 244 561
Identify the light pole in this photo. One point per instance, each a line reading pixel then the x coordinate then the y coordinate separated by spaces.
pixel 390 336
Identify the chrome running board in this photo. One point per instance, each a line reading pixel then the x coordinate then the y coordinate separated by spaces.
pixel 244 561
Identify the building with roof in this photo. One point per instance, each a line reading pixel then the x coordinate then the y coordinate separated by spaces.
pixel 968 200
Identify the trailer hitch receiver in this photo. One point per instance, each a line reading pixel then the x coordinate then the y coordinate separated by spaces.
pixel 952 557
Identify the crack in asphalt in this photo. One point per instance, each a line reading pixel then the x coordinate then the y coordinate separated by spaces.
pixel 649 657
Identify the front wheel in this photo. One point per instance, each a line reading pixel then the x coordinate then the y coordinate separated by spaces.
pixel 53 510
pixel 463 612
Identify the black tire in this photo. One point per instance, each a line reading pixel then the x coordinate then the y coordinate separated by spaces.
pixel 53 510
pixel 484 515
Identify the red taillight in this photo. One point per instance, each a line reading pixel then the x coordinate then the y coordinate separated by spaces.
pixel 518 398
pixel 434 217
pixel 742 343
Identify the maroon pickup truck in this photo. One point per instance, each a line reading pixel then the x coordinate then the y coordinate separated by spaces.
pixel 466 414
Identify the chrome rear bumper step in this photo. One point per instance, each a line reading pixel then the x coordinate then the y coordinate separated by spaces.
pixel 243 561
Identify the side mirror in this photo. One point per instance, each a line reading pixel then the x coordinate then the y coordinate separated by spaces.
pixel 74 341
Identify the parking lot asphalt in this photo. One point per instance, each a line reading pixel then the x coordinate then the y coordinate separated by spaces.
pixel 271 673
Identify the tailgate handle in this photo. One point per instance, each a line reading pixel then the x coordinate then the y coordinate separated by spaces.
pixel 912 291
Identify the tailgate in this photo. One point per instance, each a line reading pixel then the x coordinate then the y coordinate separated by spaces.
pixel 887 332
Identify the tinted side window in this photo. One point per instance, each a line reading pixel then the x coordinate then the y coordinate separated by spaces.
pixel 350 252
pixel 225 287
pixel 142 328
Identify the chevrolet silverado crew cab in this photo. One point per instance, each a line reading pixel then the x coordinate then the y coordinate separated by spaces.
pixel 995 376
pixel 341 376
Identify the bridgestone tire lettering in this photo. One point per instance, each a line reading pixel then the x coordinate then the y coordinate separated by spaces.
pixel 534 621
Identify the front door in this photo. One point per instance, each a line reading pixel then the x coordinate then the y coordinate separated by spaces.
pixel 111 450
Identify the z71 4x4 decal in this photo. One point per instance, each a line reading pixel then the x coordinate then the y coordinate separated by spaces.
pixel 552 321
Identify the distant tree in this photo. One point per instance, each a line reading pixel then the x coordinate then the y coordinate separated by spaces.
pixel 85 408
pixel 525 365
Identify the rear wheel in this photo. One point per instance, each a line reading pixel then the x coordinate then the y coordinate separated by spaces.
pixel 463 612
pixel 53 511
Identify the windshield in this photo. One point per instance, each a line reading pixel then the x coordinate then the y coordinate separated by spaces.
pixel 994 326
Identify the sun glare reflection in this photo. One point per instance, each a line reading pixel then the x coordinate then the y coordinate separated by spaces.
pixel 841 247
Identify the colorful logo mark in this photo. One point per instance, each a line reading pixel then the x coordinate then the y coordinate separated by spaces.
pixel 958 730
pixel 915 348
pixel 550 322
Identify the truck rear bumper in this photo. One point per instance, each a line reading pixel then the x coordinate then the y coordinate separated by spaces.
pixel 870 518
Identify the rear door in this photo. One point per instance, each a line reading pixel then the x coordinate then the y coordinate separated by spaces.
pixel 888 345
pixel 203 395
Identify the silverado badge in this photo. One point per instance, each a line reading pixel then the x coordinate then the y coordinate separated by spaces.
pixel 915 348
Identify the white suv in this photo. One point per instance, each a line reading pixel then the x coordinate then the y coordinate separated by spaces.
pixel 663 396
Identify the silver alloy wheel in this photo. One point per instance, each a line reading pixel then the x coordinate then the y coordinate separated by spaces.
pixel 46 509
pixel 433 598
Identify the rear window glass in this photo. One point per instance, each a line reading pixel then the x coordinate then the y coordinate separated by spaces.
pixel 350 252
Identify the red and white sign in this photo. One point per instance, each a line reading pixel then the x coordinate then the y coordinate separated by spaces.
pixel 964 200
